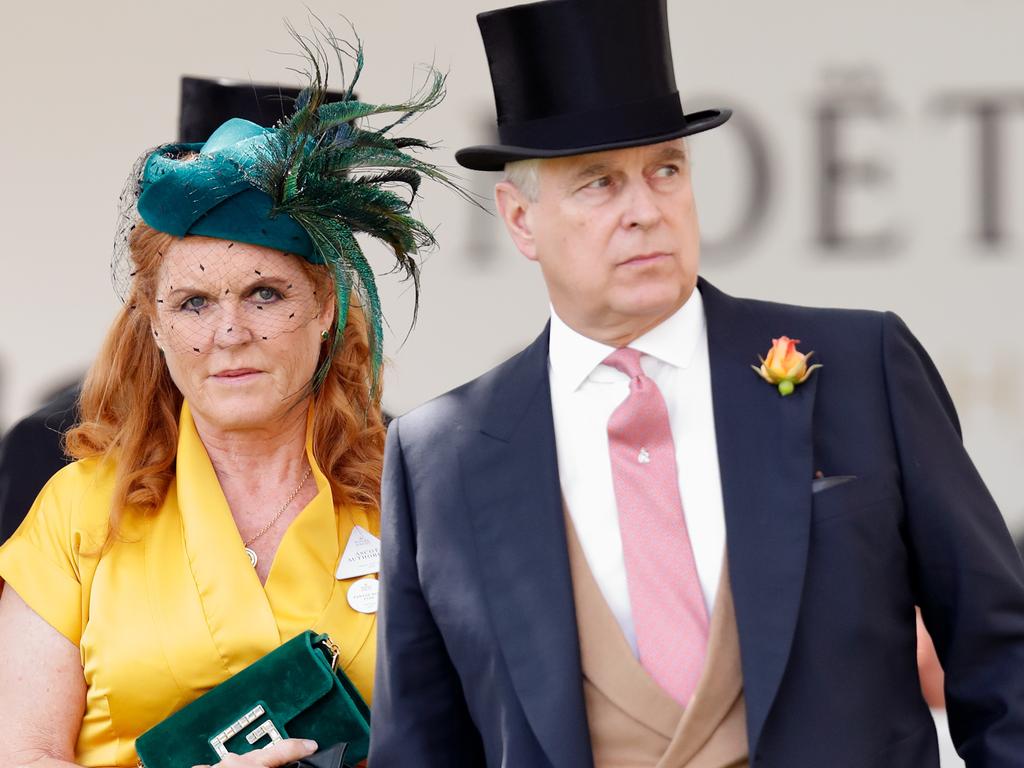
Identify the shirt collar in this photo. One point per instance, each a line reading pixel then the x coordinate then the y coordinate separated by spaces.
pixel 572 357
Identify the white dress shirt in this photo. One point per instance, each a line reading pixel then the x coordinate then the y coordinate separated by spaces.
pixel 584 393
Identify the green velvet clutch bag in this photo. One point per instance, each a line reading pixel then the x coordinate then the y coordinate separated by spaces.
pixel 295 691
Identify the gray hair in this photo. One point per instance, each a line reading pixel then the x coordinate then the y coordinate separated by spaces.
pixel 524 175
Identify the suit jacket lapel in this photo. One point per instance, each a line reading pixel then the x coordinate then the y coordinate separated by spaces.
pixel 765 457
pixel 511 480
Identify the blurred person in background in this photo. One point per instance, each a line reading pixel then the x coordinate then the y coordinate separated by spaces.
pixel 932 683
pixel 230 437
pixel 30 452
pixel 661 535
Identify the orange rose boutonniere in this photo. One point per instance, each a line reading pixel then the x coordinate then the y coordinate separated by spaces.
pixel 784 366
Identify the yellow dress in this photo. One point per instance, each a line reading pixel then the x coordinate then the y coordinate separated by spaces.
pixel 175 608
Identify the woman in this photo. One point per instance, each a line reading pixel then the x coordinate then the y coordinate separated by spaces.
pixel 230 444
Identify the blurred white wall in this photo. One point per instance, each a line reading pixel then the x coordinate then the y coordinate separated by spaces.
pixel 876 160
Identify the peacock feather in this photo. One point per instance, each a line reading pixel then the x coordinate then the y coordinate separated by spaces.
pixel 337 177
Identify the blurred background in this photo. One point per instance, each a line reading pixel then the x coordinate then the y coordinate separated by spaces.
pixel 876 159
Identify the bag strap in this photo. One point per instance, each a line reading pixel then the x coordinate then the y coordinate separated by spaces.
pixel 328 647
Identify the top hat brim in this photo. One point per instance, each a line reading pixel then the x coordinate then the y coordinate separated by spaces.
pixel 492 157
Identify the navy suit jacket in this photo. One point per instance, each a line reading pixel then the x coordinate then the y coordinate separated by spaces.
pixel 478 653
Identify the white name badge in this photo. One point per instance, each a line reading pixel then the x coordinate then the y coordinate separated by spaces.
pixel 363 595
pixel 361 556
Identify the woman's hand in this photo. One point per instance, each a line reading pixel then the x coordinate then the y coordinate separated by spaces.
pixel 273 756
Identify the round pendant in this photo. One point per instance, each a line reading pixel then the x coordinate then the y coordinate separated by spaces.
pixel 252 556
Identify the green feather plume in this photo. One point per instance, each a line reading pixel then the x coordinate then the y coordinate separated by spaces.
pixel 336 178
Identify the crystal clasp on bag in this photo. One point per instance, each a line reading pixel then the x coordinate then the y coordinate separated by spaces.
pixel 266 728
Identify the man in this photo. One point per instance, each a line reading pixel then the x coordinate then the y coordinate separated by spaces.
pixel 624 547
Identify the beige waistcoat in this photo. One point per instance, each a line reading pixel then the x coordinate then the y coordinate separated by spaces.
pixel 633 722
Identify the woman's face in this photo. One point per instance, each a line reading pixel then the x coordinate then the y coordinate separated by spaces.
pixel 240 328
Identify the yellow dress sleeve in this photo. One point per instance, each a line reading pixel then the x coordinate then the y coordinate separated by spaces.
pixel 41 561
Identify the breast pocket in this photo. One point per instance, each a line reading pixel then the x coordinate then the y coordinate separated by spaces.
pixel 857 496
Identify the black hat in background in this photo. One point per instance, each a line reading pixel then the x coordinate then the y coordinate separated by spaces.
pixel 207 103
pixel 577 76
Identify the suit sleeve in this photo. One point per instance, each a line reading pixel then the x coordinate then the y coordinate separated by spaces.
pixel 419 716
pixel 968 576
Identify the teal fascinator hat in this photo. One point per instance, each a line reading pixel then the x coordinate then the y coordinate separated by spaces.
pixel 205 189
pixel 307 186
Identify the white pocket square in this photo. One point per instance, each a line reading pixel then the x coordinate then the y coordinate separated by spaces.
pixel 819 484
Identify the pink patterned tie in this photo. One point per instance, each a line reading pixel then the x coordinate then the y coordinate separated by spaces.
pixel 669 615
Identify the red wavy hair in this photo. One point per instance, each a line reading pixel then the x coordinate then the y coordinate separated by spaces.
pixel 129 406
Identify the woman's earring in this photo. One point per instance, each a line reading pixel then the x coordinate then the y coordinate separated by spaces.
pixel 324 335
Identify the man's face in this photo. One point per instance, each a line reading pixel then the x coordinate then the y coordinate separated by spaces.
pixel 616 236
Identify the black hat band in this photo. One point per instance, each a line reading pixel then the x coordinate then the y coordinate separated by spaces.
pixel 593 127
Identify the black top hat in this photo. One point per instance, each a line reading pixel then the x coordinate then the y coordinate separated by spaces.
pixel 576 76
pixel 206 104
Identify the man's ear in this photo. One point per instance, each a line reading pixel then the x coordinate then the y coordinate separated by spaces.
pixel 514 209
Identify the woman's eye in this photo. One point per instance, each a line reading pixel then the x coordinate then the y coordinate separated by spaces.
pixel 264 294
pixel 193 303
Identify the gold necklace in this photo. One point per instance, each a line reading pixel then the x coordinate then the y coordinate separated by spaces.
pixel 252 555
